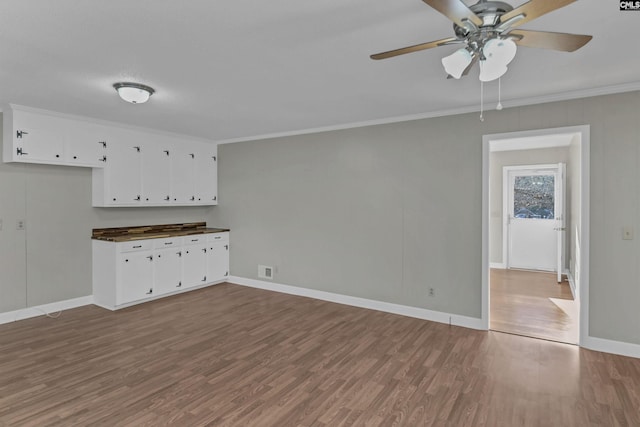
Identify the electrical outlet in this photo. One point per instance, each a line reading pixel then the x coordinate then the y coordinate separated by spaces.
pixel 20 224
pixel 432 292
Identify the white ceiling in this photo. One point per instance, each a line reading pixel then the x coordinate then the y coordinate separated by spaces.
pixel 229 69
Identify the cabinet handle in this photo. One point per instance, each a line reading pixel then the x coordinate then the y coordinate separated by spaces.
pixel 179 254
pixel 57 156
pixel 168 243
pixel 136 246
pixel 204 279
pixel 20 133
pixel 166 152
pixel 137 199
pixel 137 149
pixel 167 198
pixel 179 285
pixel 103 159
pixel 193 156
pixel 226 274
pixel 214 158
pixel 192 198
pixel 103 143
pixel 194 240
pixel 150 291
pixel 215 197
pixel 226 247
pixel 150 257
pixel 20 152
pixel 204 250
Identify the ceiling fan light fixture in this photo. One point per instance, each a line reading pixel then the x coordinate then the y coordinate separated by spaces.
pixel 457 62
pixel 135 93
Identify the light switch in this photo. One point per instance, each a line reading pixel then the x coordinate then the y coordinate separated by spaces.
pixel 627 232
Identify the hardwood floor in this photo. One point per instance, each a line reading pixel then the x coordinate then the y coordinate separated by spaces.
pixel 235 356
pixel 533 304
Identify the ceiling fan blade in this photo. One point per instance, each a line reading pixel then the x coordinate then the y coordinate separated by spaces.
pixel 455 10
pixel 415 48
pixel 534 9
pixel 548 40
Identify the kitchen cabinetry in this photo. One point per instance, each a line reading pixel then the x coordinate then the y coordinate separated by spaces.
pixel 162 171
pixel 126 273
pixel 35 136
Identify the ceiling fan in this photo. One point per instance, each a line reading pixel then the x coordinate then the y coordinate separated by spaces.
pixel 487 29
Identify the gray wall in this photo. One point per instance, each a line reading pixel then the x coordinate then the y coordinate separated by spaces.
pixel 385 212
pixel 500 159
pixel 51 260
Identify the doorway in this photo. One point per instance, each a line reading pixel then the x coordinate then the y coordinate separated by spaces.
pixel 535 244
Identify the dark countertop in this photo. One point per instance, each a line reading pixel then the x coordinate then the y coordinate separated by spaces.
pixel 126 234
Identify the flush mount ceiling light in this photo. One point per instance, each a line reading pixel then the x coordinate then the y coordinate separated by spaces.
pixel 134 93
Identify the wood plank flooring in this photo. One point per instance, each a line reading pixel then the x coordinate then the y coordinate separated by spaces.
pixel 234 356
pixel 533 304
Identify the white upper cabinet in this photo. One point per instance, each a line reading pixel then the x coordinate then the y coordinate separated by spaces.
pixel 156 171
pixel 39 137
pixel 207 175
pixel 183 182
pixel 145 169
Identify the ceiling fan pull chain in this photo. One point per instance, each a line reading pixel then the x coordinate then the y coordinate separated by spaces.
pixel 482 101
pixel 499 106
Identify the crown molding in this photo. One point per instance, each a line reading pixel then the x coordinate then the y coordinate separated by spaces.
pixel 563 96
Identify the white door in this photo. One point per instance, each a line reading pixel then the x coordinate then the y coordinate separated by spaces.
pixel 167 270
pixel 156 174
pixel 136 276
pixel 534 211
pixel 217 261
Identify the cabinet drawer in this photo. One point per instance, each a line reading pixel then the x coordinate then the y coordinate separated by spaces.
pixel 195 239
pixel 134 246
pixel 167 243
pixel 218 237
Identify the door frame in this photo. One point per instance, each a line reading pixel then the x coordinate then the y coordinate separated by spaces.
pixel 505 202
pixel 584 132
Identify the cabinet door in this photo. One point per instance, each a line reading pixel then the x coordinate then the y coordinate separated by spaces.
pixel 136 277
pixel 167 264
pixel 217 261
pixel 156 173
pixel 183 179
pixel 38 139
pixel 194 265
pixel 207 175
pixel 123 173
pixel 85 145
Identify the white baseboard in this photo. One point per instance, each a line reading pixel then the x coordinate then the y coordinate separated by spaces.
pixel 404 310
pixel 500 265
pixel 41 310
pixel 611 346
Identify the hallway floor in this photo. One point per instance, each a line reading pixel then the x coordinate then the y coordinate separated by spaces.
pixel 533 304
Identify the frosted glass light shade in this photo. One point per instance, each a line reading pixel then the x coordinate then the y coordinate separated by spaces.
pixel 134 93
pixel 501 51
pixel 457 62
pixel 491 70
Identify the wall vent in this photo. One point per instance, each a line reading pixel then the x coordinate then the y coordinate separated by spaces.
pixel 265 272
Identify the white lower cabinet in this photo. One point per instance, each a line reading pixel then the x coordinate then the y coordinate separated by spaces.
pixel 127 273
pixel 194 261
pixel 167 265
pixel 136 276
